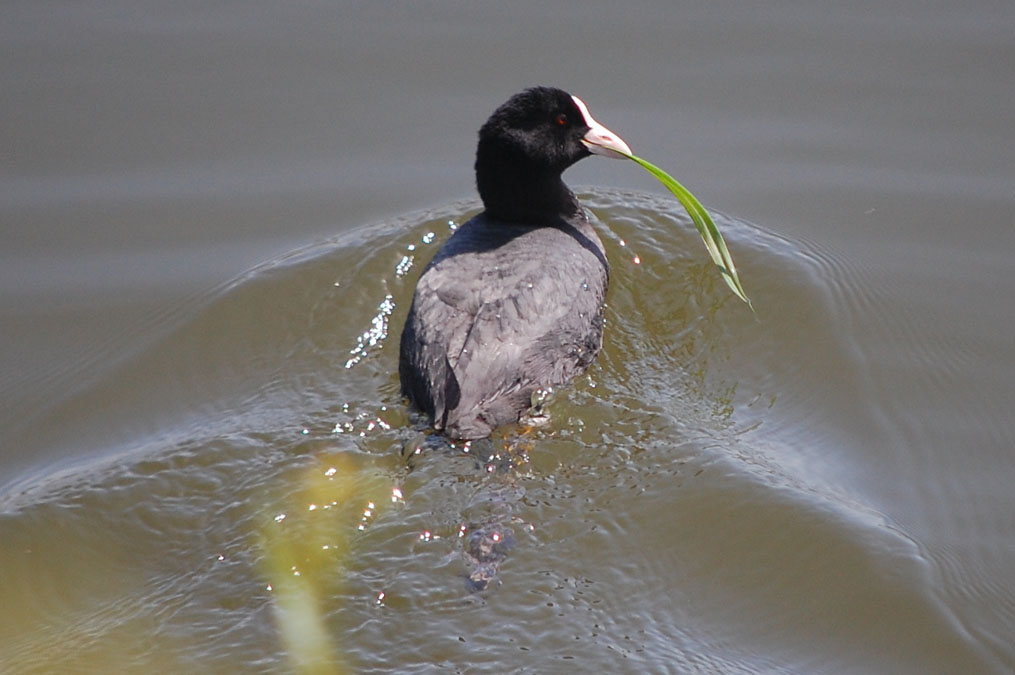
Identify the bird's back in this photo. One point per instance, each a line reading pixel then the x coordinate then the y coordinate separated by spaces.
pixel 501 311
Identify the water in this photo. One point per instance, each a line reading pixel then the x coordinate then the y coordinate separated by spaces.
pixel 213 218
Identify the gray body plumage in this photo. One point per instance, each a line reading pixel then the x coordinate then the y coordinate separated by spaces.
pixel 502 310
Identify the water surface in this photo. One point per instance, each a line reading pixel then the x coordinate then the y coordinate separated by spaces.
pixel 213 218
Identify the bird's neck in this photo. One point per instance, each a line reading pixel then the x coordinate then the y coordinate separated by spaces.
pixel 526 196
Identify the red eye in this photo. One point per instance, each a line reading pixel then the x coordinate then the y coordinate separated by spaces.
pixel 562 119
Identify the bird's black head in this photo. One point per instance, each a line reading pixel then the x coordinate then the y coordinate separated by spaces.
pixel 525 146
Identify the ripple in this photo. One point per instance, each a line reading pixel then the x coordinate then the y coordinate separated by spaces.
pixel 693 501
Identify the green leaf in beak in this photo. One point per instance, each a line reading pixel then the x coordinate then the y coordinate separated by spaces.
pixel 709 232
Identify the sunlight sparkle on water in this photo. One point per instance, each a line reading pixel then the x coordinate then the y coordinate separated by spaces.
pixel 403 266
pixel 368 514
pixel 375 335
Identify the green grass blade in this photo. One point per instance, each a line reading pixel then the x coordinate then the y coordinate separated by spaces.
pixel 714 242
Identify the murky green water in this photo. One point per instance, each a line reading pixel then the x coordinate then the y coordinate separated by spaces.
pixel 213 218
pixel 692 484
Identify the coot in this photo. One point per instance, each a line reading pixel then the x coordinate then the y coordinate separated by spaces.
pixel 513 302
